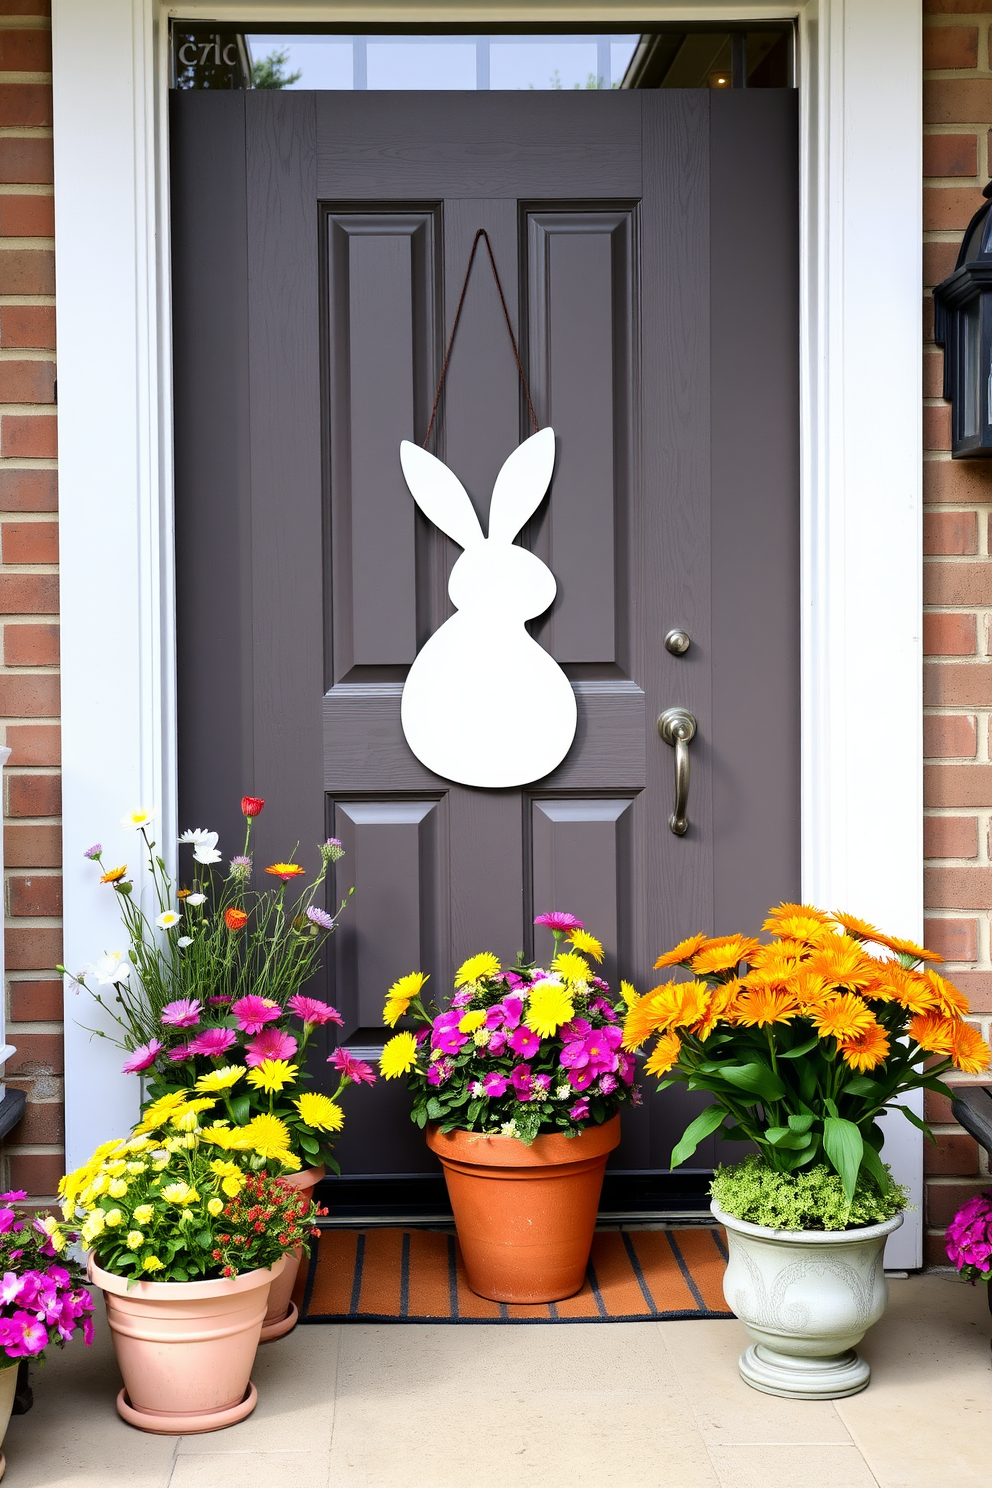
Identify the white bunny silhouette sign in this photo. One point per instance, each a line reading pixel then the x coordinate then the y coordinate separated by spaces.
pixel 483 703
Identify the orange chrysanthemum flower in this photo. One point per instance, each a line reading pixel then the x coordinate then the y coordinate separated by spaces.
pixel 907 948
pixel 664 1054
pixel 285 871
pixel 724 1003
pixel 183 893
pixel 933 1032
pixel 723 954
pixel 640 1022
pixel 860 929
pixel 235 919
pixel 115 875
pixel 951 1002
pixel 843 1017
pixel 808 988
pixel 969 1050
pixel 762 1005
pixel 893 984
pixel 676 1004
pixel 782 914
pixel 843 963
pixel 684 951
pixel 867 1050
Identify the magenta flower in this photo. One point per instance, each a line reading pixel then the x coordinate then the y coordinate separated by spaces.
pixel 497 1042
pixel 580 1110
pixel 580 1079
pixel 522 1081
pixel 311 1010
pixel 446 1035
pixel 494 1084
pixel 594 1054
pixel 218 1001
pixel 463 998
pixel 7 1219
pixel 182 1014
pixel 142 1057
pixel 969 1234
pixel 524 1040
pixel 514 981
pixel 271 1043
pixel 559 920
pixel 179 1053
pixel 578 1028
pixel 513 1010
pixel 353 1069
pixel 628 1065
pixel 254 1012
pixel 542 1084
pixel 13 1196
pixel 607 1084
pixel 438 1071
pixel 603 1008
pixel 212 1042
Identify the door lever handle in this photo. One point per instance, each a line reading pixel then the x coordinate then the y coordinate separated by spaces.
pixel 677 726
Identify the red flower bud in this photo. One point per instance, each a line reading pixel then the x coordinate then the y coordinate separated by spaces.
pixel 235 919
pixel 251 805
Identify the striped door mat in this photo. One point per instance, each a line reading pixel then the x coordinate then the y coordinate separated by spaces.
pixel 417 1276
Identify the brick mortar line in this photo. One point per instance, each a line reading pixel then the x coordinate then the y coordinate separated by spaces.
pixel 26 131
pixel 26 188
pixel 27 354
pixel 31 301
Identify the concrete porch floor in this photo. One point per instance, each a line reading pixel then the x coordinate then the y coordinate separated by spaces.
pixel 634 1404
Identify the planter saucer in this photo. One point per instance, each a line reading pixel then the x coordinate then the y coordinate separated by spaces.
pixel 281 1326
pixel 829 1377
pixel 176 1423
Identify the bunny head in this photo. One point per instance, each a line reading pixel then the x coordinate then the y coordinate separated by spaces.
pixel 492 574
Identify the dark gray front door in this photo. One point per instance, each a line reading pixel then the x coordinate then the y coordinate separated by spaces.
pixel 648 245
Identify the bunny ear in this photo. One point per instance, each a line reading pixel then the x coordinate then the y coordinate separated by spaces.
pixel 440 495
pixel 521 484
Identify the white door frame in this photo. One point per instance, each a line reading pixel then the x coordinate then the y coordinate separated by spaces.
pixel 860 82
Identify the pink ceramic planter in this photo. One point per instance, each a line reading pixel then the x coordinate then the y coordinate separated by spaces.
pixel 282 1313
pixel 185 1349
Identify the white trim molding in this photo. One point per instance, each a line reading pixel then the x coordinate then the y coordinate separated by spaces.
pixel 860 82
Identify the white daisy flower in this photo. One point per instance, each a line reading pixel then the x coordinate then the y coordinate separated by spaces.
pixel 167 919
pixel 139 819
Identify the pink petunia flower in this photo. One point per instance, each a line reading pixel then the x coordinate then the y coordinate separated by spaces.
pixel 271 1043
pixel 522 1081
pixel 559 920
pixel 607 1084
pixel 626 1069
pixel 13 1196
pixel 311 1010
pixel 542 1084
pixel 580 1110
pixel 353 1069
pixel 142 1058
pixel 524 1040
pixel 212 1042
pixel 580 1079
pixel 463 998
pixel 494 1084
pixel 578 1028
pixel 182 1014
pixel 497 1042
pixel 514 981
pixel 254 1012
pixel 446 1035
pixel 439 1071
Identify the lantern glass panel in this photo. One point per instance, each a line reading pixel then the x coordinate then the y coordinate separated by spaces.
pixel 971 370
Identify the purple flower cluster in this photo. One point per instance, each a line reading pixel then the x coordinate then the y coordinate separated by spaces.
pixel 969 1238
pixel 39 1304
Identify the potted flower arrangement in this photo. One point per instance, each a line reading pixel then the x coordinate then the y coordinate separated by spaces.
pixel 42 1299
pixel 519 1082
pixel 209 998
pixel 187 1225
pixel 804 1044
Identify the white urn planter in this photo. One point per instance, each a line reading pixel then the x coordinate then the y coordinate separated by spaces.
pixel 806 1298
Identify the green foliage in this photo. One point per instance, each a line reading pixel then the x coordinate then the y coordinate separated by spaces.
pixel 269 72
pixel 812 1199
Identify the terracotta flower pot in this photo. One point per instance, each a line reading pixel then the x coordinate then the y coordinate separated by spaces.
pixel 8 1389
pixel 525 1215
pixel 282 1312
pixel 185 1348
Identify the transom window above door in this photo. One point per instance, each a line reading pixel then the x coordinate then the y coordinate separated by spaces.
pixel 671 56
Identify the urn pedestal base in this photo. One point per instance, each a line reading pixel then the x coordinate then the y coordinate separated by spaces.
pixel 830 1377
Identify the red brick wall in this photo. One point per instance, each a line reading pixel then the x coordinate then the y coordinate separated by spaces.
pixel 957 620
pixel 29 646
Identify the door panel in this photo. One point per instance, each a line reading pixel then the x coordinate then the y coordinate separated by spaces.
pixel 647 246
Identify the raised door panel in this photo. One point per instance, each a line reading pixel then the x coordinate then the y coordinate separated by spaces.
pixel 580 862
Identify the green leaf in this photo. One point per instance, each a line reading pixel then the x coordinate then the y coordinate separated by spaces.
pixel 435 1110
pixel 845 1147
pixel 782 1136
pixel 241 1108
pixel 801 1121
pixel 704 1125
pixel 859 1085
pixel 758 1079
pixel 916 1121
pixel 310 1145
pixel 799 1050
pixel 873 1165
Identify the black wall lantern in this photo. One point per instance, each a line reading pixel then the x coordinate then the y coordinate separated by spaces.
pixel 963 327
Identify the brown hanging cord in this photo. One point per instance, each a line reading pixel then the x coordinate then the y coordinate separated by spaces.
pixel 451 339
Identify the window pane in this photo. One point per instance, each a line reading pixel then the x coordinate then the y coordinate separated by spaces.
pixel 437 63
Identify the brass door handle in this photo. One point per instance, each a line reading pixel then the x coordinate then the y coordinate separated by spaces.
pixel 677 726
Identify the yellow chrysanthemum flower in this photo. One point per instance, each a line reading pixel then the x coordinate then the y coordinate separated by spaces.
pixel 399 1056
pixel 215 1206
pixel 574 968
pixel 117 1189
pixel 268 1136
pixel 135 1240
pixel 179 1193
pixel 548 1007
pixel 50 1225
pixel 221 1079
pixel 112 1218
pixel 152 1263
pixel 664 1054
pixel 186 1118
pixel 628 994
pixel 583 941
pixel 272 1074
pixel 320 1112
pixel 477 967
pixel 471 1021
pixel 400 996
pixel 144 1213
